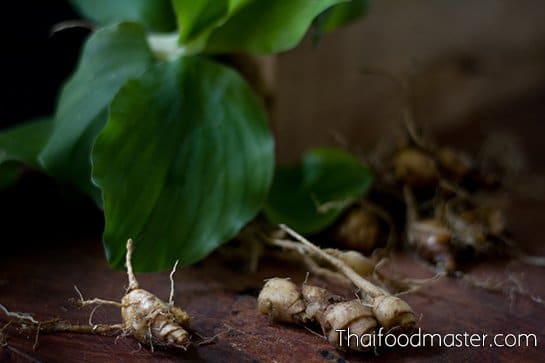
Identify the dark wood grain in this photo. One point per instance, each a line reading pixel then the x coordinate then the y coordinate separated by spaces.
pixel 47 248
pixel 221 299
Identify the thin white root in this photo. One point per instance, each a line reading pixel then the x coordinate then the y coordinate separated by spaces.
pixel 403 286
pixel 20 316
pixel 36 339
pixel 52 326
pixel 58 327
pixel 255 251
pixel 80 295
pixel 512 286
pixel 70 24
pixel 133 283
pixel 210 340
pixel 518 288
pixel 171 296
pixel 150 339
pixel 312 266
pixel 365 286
pixel 286 245
pixel 93 314
pixel 136 350
pixel 325 273
pixel 408 197
pixel 3 339
pixel 96 301
pixel 321 336
pixel 414 285
pixel 333 204
pixel 531 260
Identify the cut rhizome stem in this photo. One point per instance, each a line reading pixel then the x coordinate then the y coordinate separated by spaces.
pixel 285 302
pixel 145 317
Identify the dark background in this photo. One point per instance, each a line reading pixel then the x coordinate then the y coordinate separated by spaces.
pixel 34 63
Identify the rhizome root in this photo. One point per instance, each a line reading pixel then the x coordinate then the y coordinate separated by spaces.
pixel 145 317
pixel 283 301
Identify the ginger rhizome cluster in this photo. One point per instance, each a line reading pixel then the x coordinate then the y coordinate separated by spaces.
pixel 145 317
pixel 284 301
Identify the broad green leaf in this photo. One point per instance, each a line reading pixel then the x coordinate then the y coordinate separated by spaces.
pixel 311 196
pixel 236 5
pixel 265 26
pixel 110 57
pixel 21 145
pixel 195 18
pixel 340 15
pixel 155 15
pixel 24 142
pixel 185 160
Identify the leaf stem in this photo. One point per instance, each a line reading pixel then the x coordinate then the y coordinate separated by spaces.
pixel 165 46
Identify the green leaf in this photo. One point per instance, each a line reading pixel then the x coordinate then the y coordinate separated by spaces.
pixel 24 142
pixel 155 15
pixel 185 160
pixel 265 26
pixel 196 18
pixel 10 172
pixel 21 145
pixel 341 15
pixel 110 57
pixel 311 196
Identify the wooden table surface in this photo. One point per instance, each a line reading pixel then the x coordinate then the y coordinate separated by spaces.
pixel 37 275
pixel 51 242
